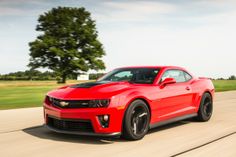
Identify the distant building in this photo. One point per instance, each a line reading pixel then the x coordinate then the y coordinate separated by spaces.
pixel 83 77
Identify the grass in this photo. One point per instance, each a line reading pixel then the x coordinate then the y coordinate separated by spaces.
pixel 224 85
pixel 20 94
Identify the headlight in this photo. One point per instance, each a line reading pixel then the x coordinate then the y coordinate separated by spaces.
pixel 47 100
pixel 99 103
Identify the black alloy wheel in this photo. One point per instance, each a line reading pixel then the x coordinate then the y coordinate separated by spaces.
pixel 205 108
pixel 136 120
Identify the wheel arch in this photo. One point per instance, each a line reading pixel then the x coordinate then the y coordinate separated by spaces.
pixel 201 116
pixel 147 103
pixel 144 99
pixel 209 92
pixel 200 98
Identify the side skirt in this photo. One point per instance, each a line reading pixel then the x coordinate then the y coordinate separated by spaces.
pixel 172 120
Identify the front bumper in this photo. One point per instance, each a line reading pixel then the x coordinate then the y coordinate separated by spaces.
pixel 85 114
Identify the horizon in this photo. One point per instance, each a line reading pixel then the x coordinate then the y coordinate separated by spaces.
pixel 196 35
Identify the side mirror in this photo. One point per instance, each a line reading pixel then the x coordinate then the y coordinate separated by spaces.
pixel 167 81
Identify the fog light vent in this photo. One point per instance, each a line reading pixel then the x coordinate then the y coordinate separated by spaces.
pixel 104 120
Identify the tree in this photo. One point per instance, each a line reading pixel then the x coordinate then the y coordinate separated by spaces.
pixel 232 77
pixel 68 43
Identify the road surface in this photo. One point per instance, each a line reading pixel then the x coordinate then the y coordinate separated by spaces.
pixel 22 134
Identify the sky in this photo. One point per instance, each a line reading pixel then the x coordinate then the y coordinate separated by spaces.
pixel 199 35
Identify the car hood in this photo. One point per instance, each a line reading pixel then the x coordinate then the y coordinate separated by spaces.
pixel 90 90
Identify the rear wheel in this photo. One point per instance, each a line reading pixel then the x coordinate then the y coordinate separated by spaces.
pixel 205 108
pixel 136 121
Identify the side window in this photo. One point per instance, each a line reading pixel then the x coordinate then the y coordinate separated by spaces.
pixel 187 76
pixel 178 75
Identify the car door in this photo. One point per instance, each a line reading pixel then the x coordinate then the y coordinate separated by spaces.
pixel 175 99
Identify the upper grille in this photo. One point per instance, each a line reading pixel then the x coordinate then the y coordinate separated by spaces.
pixel 69 103
pixel 70 125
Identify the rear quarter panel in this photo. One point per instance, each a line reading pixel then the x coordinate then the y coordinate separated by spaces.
pixel 199 87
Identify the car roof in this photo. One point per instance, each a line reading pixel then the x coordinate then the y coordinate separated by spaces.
pixel 159 67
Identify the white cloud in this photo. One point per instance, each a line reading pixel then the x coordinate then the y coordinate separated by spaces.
pixel 10 11
pixel 146 7
pixel 22 7
pixel 133 10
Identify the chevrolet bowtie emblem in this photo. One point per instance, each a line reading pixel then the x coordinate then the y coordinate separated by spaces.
pixel 63 103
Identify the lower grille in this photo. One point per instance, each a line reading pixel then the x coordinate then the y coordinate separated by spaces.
pixel 70 125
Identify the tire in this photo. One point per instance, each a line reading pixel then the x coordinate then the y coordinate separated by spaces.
pixel 136 120
pixel 206 108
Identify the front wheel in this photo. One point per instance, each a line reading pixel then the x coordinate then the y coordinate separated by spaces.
pixel 136 120
pixel 205 108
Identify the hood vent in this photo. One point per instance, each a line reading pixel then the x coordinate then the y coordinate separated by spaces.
pixel 88 84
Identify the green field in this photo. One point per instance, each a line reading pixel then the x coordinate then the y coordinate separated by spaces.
pixel 19 94
pixel 224 85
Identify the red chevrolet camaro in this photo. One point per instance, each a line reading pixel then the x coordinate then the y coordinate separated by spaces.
pixel 129 101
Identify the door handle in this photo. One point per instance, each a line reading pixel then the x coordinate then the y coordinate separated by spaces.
pixel 187 88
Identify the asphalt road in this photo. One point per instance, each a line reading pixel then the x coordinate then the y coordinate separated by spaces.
pixel 22 134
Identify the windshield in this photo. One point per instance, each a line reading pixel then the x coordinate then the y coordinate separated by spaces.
pixel 133 75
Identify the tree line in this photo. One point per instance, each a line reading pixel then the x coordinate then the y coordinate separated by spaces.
pixel 232 77
pixel 29 75
pixel 38 75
